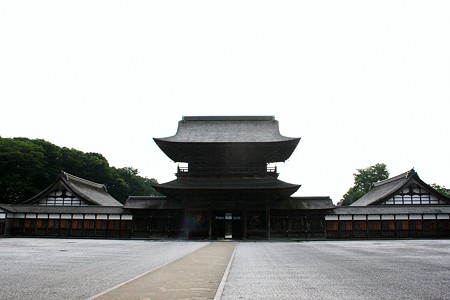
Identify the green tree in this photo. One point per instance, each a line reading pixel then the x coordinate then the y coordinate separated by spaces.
pixel 21 163
pixel 364 179
pixel 126 182
pixel 29 166
pixel 441 189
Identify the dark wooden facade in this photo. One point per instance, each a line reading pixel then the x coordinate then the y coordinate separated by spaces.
pixel 71 225
pixel 226 219
pixel 389 226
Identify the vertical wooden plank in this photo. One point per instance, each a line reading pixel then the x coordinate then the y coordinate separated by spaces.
pixel 268 219
pixel 245 223
pixel 210 221
pixel 186 220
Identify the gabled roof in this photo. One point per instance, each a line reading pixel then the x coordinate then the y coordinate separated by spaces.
pixel 227 129
pixel 90 192
pixel 387 188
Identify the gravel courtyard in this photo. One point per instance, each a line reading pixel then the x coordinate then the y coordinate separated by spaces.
pixel 78 269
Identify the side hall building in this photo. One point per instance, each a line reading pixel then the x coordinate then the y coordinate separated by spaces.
pixel 227 187
pixel 69 207
pixel 403 206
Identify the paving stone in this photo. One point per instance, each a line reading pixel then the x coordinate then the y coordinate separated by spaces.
pixel 194 276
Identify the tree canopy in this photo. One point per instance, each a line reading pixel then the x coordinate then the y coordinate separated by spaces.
pixel 28 166
pixel 441 189
pixel 364 179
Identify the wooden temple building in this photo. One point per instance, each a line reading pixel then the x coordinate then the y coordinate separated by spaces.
pixel 227 187
pixel 69 207
pixel 227 184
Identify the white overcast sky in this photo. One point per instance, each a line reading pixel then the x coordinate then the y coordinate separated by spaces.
pixel 361 82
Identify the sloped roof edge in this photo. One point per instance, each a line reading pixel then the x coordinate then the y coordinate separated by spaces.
pixel 404 175
pixel 71 177
pixel 228 118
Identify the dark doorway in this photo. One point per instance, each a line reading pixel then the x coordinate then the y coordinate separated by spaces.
pixel 227 225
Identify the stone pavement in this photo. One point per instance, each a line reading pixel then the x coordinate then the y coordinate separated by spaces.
pixel 195 276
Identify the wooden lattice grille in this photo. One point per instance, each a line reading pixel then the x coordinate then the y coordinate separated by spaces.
pixel 414 196
pixel 62 197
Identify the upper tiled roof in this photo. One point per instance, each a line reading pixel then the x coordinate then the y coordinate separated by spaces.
pixel 228 129
pixel 88 191
pixel 238 187
pixel 227 184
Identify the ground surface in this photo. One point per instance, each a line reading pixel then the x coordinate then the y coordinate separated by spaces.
pixel 77 269
pixel 417 269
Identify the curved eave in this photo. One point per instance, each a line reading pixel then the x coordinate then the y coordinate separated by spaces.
pixel 274 151
pixel 182 187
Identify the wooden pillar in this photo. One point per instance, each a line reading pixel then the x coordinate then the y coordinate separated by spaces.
pixel 306 226
pixel 186 220
pixel 244 236
pixel 268 218
pixel 210 222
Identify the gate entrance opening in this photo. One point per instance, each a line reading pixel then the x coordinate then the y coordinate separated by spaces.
pixel 227 225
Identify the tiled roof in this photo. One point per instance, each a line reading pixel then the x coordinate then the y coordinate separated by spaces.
pixel 392 209
pixel 304 203
pixel 227 184
pixel 94 192
pixel 46 209
pixel 384 188
pixel 152 202
pixel 228 129
pixel 88 191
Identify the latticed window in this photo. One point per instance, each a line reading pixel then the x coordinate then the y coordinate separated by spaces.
pixel 413 196
pixel 61 198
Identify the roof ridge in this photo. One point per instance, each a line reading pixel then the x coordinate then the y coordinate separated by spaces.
pixel 228 118
pixel 71 177
pixel 395 178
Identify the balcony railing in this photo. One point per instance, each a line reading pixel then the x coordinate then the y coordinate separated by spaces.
pixel 183 171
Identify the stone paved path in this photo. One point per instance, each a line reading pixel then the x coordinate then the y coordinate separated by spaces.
pixel 195 276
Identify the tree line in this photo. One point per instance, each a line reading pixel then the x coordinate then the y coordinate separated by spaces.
pixel 27 166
